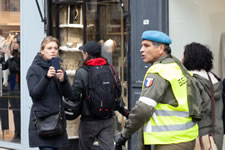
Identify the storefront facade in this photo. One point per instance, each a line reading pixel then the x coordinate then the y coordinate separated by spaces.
pixel 10 82
pixel 23 22
pixel 118 26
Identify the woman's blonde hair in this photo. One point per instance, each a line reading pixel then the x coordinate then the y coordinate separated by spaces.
pixel 47 40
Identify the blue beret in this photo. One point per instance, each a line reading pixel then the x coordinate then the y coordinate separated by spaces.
pixel 156 36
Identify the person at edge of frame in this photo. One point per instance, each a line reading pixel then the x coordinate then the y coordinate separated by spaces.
pixel 165 113
pixel 198 59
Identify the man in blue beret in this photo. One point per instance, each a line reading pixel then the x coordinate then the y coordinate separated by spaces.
pixel 161 113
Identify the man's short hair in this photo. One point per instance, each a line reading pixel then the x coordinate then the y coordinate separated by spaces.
pixel 93 48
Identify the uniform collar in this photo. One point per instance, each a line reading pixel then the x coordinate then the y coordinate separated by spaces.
pixel 162 58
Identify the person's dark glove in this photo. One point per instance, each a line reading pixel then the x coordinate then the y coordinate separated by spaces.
pixel 120 106
pixel 118 147
pixel 125 112
pixel 120 141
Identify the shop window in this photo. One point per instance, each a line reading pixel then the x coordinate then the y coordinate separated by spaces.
pixel 102 21
pixel 10 71
pixel 106 24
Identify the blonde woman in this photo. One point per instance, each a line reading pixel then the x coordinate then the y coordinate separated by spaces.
pixel 46 88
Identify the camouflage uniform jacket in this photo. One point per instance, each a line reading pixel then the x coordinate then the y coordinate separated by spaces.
pixel 160 91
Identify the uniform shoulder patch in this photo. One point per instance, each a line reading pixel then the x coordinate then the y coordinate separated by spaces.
pixel 148 82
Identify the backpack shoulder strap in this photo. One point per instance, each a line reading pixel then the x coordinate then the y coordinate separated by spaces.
pixel 114 73
pixel 86 91
pixel 212 104
pixel 117 81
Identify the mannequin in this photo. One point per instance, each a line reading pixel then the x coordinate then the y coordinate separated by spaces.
pixel 109 47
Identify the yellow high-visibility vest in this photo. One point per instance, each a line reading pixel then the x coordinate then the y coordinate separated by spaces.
pixel 170 124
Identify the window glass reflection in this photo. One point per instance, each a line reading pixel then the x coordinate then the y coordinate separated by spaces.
pixel 106 23
pixel 102 21
pixel 10 70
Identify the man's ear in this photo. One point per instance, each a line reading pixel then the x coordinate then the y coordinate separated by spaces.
pixel 86 53
pixel 161 47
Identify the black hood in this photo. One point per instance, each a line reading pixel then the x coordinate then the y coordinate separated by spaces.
pixel 40 61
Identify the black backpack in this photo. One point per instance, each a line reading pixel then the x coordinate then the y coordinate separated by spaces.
pixel 102 90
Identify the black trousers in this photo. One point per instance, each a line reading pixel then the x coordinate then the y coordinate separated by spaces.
pixel 4 113
pixel 100 130
pixel 15 106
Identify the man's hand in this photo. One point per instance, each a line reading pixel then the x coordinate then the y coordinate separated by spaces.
pixel 120 141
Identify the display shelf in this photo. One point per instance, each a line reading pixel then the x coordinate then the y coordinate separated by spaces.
pixel 68 26
pixel 73 137
pixel 71 26
pixel 116 33
pixel 67 49
pixel 70 72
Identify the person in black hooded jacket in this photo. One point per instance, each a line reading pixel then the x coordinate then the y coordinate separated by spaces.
pixel 92 128
pixel 46 87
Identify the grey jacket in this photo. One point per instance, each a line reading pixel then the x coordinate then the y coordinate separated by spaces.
pixel 205 124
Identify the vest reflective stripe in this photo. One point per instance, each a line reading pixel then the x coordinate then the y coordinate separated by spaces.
pixel 171 113
pixel 148 101
pixel 170 124
pixel 171 137
pixel 173 127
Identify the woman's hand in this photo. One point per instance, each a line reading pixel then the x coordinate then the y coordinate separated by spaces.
pixel 51 72
pixel 60 75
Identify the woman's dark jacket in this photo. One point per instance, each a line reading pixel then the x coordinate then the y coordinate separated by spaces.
pixel 13 64
pixel 80 84
pixel 46 94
